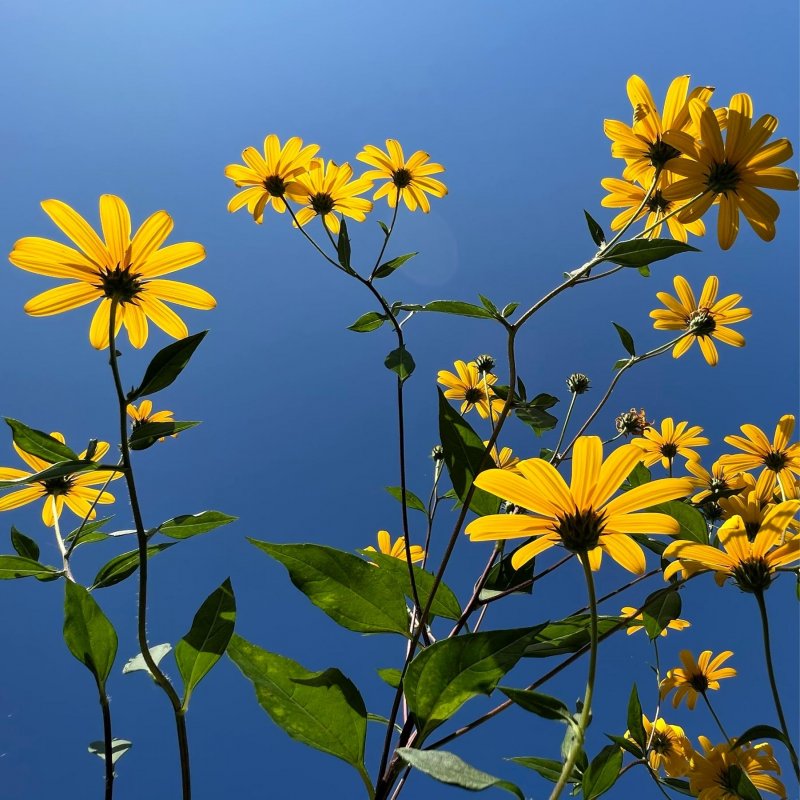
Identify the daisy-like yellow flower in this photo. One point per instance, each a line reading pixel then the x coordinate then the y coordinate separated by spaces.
pixel 328 189
pixel 144 413
pixel 582 517
pixel 696 677
pixel 408 179
pixel 673 625
pixel 751 563
pixel 668 747
pixel 630 196
pixel 643 146
pixel 472 387
pixel 705 320
pixel 396 549
pixel 778 460
pixel 72 490
pixel 122 270
pixel 673 440
pixel 714 485
pixel 269 177
pixel 731 171
pixel 710 777
pixel 505 459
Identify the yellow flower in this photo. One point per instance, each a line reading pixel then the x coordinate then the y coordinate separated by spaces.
pixel 72 490
pixel 329 189
pixel 505 460
pixel 581 517
pixel 731 171
pixel 643 146
pixel 667 747
pixel 396 549
pixel 705 320
pixel 710 778
pixel 779 461
pixel 269 177
pixel 630 613
pixel 716 485
pixel 468 386
pixel 408 179
pixel 120 269
pixel 674 440
pixel 696 677
pixel 144 413
pixel 627 195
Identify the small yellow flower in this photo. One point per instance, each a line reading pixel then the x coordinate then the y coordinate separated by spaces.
pixel 630 613
pixel 396 549
pixel 408 179
pixel 667 747
pixel 717 484
pixel 704 320
pixel 674 440
pixel 144 413
pixel 696 677
pixel 505 460
pixel 470 386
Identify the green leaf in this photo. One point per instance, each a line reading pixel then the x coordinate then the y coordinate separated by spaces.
pixel 89 635
pixel 692 522
pixel 644 271
pixel 543 705
pixel 508 310
pixel 384 227
pixel 532 412
pixel 201 648
pixel 503 577
pixel 457 307
pixel 188 525
pixel 88 533
pixel 443 676
pixel 321 709
pixel 642 252
pixel 148 433
pixel 548 768
pixel 626 744
pixel 626 339
pixel 389 267
pixel 357 595
pixel 412 501
pixel 567 635
pixel 166 365
pixel 24 545
pixel 20 567
pixel 488 305
pixel 401 362
pixel 603 772
pixel 595 231
pixel 343 246
pixel 679 785
pixel 619 364
pixel 739 781
pixel 638 477
pixel 464 453
pixel 123 566
pixel 61 469
pixel 634 719
pixel 660 608
pixel 39 443
pixel 138 664
pixel 450 769
pixel 391 676
pixel 762 732
pixel 118 749
pixel 368 322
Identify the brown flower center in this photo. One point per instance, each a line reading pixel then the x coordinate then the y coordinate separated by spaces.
pixel 669 450
pixel 752 575
pixel 660 152
pixel 580 532
pixel 401 178
pixel 698 682
pixel 473 394
pixel 723 177
pixel 657 203
pixel 57 486
pixel 776 460
pixel 701 322
pixel 275 185
pixel 322 203
pixel 119 284
pixel 661 744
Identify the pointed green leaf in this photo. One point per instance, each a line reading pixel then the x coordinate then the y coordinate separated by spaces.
pixel 762 732
pixel 548 768
pixel 61 469
pixel 642 252
pixel 148 433
pixel 603 772
pixel 188 525
pixel 343 245
pixel 627 745
pixel 457 307
pixel 20 567
pixel 368 322
pixel 386 269
pixel 503 577
pixel 693 524
pixel 89 635
pixel 412 501
pixel 138 664
pixel 626 339
pixel 124 565
pixel 118 749
pixel 391 676
pixel 635 724
pixel 509 309
pixel 638 477
pixel 567 635
pixel 660 608
pixel 401 362
pixel 24 545
pixel 679 785
pixel 166 365
pixel 39 443
pixel 384 227
pixel 741 785
pixel 543 705
pixel 595 231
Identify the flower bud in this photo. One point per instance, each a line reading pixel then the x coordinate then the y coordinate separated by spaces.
pixel 578 383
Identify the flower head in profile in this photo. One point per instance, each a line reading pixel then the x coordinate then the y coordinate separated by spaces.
pixel 581 517
pixel 732 172
pixel 327 189
pixel 269 176
pixel 704 321
pixel 472 387
pixel 696 677
pixel 122 271
pixel 715 484
pixel 505 459
pixel 673 440
pixel 74 491
pixel 408 179
pixel 144 413
pixel 396 549
pixel 711 776
pixel 631 614
pixel 633 422
pixel 667 747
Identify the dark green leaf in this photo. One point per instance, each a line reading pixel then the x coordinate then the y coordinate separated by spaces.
pixel 89 635
pixel 188 525
pixel 148 433
pixel 118 749
pixel 123 566
pixel 739 781
pixel 503 577
pixel 401 362
pixel 660 608
pixel 88 533
pixel 321 709
pixel 638 477
pixel 412 501
pixel 543 705
pixel 509 309
pixel 692 522
pixel 450 769
pixel 138 664
pixel 166 365
pixel 548 768
pixel 457 307
pixel 61 469
pixel 357 595
pixel 207 639
pixel 443 676
pixel 595 231
pixel 39 443
pixel 621 363
pixel 532 412
pixel 368 322
pixel 391 676
pixel 24 545
pixel 488 305
pixel 642 252
pixel 21 567
pixel 679 785
pixel 627 745
pixel 626 339
pixel 567 635
pixel 603 772
pixel 762 732
pixel 464 454
pixel 343 245
pixel 389 267
pixel 384 227
pixel 635 724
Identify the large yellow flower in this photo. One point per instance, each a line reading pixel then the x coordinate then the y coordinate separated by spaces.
pixel 667 747
pixel 732 170
pixel 122 269
pixel 704 320
pixel 696 677
pixel 269 177
pixel 582 516
pixel 72 490
pixel 674 440
pixel 396 549
pixel 408 179
pixel 472 387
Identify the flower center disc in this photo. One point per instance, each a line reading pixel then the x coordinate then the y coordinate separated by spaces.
pixel 322 203
pixel 119 284
pixel 401 178
pixel 580 532
pixel 660 152
pixel 275 185
pixel 723 177
pixel 701 323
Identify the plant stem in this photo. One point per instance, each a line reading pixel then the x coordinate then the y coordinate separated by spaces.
pixel 107 743
pixel 564 428
pixel 716 718
pixel 60 542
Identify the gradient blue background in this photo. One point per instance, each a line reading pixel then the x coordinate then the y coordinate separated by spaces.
pixel 150 100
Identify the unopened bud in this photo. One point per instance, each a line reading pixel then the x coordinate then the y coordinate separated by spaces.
pixel 578 383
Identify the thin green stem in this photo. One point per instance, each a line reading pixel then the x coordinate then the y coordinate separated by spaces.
pixel 60 542
pixel 564 427
pixel 716 718
pixel 672 213
pixel 77 536
pixel 108 749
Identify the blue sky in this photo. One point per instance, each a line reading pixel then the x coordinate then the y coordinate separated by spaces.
pixel 150 101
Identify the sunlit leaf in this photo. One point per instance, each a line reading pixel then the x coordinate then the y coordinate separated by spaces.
pixel 188 525
pixel 124 565
pixel 166 365
pixel 89 635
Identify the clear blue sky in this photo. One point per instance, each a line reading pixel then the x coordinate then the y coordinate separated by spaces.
pixel 150 100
